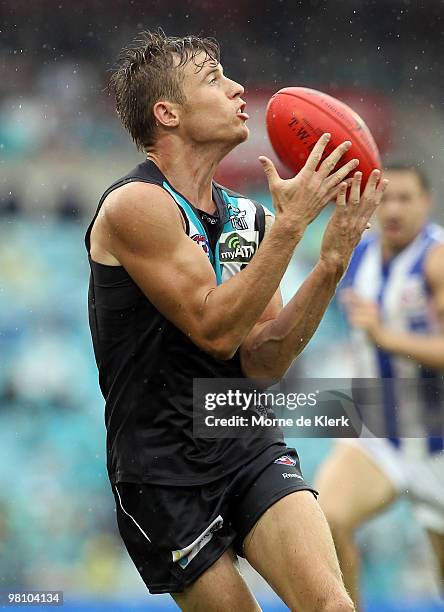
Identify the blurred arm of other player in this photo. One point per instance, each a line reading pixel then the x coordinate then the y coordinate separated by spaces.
pixel 142 229
pixel 426 350
pixel 282 333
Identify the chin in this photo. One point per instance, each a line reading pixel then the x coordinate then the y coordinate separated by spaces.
pixel 243 134
pixel 398 243
pixel 237 139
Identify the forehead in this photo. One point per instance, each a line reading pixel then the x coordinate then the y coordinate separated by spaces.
pixel 402 180
pixel 196 65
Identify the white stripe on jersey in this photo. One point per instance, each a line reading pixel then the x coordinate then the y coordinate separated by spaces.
pixel 405 306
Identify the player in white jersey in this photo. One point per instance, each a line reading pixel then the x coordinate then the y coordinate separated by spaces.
pixel 394 298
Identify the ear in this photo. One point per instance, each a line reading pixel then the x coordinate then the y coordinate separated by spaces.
pixel 166 114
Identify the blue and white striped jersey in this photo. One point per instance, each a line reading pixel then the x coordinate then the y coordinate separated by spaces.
pixel 410 414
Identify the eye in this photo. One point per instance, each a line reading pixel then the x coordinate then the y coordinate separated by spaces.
pixel 213 80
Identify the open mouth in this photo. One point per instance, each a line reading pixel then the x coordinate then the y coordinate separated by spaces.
pixel 240 112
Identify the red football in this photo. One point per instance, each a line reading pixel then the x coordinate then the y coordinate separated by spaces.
pixel 296 118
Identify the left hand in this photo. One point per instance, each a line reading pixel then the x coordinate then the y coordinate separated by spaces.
pixel 350 219
pixel 363 314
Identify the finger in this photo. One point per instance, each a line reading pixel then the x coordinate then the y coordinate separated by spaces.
pixel 340 199
pixel 330 162
pixel 380 189
pixel 340 174
pixel 348 293
pixel 354 300
pixel 316 155
pixel 270 170
pixel 347 298
pixel 372 200
pixel 332 193
pixel 371 183
pixel 355 191
pixel 379 193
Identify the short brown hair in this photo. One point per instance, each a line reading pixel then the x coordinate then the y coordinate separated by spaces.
pixel 407 165
pixel 146 73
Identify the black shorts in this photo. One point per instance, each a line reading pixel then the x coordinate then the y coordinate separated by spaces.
pixel 173 534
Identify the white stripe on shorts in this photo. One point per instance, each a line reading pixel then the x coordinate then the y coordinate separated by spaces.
pixel 131 517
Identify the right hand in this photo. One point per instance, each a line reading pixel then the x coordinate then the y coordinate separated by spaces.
pixel 301 198
pixel 351 218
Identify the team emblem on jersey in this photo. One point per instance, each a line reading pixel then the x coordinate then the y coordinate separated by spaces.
pixel 237 218
pixel 201 241
pixel 285 460
pixel 236 249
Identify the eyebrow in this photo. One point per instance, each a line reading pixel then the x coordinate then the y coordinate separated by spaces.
pixel 214 69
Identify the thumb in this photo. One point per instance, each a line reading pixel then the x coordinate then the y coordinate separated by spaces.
pixel 269 169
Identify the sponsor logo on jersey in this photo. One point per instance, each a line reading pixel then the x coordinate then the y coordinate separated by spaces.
pixel 285 460
pixel 201 241
pixel 209 219
pixel 289 475
pixel 236 249
pixel 237 217
pixel 184 556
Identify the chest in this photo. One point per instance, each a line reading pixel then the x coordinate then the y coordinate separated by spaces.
pixel 230 240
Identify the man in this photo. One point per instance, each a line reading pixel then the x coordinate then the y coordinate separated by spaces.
pixel 165 307
pixel 395 302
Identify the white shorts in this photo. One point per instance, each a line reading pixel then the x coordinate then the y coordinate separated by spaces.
pixel 421 479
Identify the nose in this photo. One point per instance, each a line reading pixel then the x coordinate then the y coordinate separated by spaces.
pixel 236 90
pixel 394 207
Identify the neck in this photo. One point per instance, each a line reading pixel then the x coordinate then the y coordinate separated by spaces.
pixel 389 251
pixel 189 168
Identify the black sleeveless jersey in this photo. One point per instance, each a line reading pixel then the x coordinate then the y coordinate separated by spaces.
pixel 147 365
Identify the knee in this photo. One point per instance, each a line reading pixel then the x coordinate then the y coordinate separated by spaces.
pixel 337 603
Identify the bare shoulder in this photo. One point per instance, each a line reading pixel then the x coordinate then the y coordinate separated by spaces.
pixel 138 202
pixel 434 266
pixel 135 216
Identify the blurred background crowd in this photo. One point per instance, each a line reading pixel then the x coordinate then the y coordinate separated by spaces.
pixel 61 145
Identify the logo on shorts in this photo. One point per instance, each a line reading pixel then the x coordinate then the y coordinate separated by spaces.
pixel 185 555
pixel 291 475
pixel 285 460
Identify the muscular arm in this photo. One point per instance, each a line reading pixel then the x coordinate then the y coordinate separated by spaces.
pixel 143 231
pixel 140 227
pixel 282 333
pixel 426 350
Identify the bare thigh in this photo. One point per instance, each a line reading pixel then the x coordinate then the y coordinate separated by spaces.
pixel 292 548
pixel 352 488
pixel 220 589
